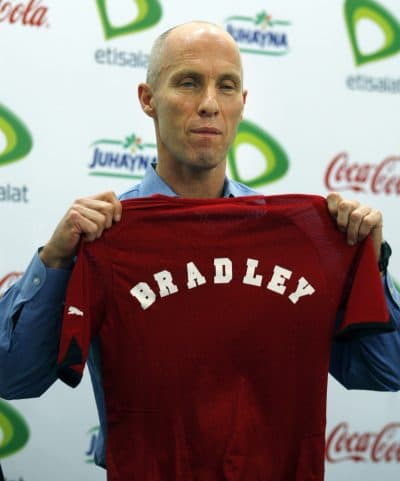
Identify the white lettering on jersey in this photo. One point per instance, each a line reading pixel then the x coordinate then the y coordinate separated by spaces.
pixel 74 311
pixel 223 274
pixel 194 276
pixel 250 278
pixel 278 279
pixel 223 270
pixel 304 288
pixel 144 294
pixel 165 284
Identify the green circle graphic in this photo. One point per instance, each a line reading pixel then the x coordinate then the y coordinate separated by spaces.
pixel 276 160
pixel 14 429
pixel 149 14
pixel 19 140
pixel 356 10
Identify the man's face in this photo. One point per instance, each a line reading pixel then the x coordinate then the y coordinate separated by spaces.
pixel 198 100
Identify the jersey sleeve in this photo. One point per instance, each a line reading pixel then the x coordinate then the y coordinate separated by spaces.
pixel 83 313
pixel 365 310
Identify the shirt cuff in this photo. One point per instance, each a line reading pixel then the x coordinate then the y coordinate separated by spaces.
pixel 48 283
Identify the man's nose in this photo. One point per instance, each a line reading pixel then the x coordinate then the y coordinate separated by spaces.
pixel 208 105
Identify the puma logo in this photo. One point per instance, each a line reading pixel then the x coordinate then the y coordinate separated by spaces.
pixel 74 311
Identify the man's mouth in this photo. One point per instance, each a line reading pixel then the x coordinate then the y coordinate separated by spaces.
pixel 206 131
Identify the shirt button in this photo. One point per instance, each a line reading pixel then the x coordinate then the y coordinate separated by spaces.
pixel 36 281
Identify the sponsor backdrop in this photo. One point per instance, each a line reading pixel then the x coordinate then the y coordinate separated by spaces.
pixel 323 114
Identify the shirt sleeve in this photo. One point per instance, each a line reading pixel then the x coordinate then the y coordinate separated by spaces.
pixel 365 309
pixel 370 362
pixel 30 323
pixel 83 312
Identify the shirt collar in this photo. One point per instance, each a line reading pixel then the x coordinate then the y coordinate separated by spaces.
pixel 152 183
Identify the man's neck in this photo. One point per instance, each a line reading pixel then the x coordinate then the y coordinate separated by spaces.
pixel 194 183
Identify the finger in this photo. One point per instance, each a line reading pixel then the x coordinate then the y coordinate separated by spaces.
pixel 86 222
pixel 333 200
pixel 345 208
pixel 95 209
pixel 371 221
pixel 360 224
pixel 92 236
pixel 88 206
pixel 112 199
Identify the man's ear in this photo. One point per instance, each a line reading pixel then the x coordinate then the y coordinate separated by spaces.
pixel 244 94
pixel 145 94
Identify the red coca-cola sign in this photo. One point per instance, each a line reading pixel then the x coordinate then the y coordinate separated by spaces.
pixel 32 13
pixel 382 446
pixel 381 178
pixel 8 280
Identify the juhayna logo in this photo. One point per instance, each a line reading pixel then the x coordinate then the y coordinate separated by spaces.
pixel 372 11
pixel 274 163
pixel 14 432
pixel 18 141
pixel 127 158
pixel 149 13
pixel 261 34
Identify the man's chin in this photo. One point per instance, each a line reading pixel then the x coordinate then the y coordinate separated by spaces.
pixel 208 160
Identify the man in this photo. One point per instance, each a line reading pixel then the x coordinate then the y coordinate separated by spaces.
pixel 195 96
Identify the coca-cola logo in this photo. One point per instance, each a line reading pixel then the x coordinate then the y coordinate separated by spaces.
pixel 8 280
pixel 382 178
pixel 32 13
pixel 382 446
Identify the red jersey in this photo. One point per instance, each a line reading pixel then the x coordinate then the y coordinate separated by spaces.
pixel 215 320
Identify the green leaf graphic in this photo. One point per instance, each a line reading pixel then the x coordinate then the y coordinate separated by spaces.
pixel 149 13
pixel 356 10
pixel 19 140
pixel 276 160
pixel 15 431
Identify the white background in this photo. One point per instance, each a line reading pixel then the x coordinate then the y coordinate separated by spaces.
pixel 50 79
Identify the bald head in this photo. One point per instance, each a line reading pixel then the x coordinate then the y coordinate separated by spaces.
pixel 176 37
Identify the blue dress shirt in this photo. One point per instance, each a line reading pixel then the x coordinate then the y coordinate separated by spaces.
pixel 30 324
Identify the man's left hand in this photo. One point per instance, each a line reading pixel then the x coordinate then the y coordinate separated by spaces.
pixel 356 220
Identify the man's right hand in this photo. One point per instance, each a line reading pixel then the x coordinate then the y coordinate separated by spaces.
pixel 87 217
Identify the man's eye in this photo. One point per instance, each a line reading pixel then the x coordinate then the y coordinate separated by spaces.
pixel 188 83
pixel 227 87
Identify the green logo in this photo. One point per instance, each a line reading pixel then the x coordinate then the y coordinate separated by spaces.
pixel 276 160
pixel 149 13
pixel 356 10
pixel 18 139
pixel 14 432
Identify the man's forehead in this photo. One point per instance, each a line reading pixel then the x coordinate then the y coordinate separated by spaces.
pixel 201 50
pixel 189 40
pixel 197 31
